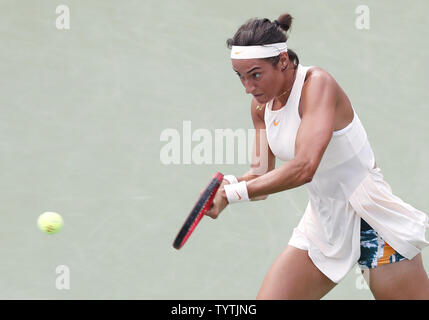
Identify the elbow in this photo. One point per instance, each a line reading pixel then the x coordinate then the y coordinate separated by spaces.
pixel 309 174
pixel 306 172
pixel 307 179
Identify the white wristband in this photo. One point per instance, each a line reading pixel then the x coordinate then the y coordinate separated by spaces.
pixel 236 192
pixel 230 178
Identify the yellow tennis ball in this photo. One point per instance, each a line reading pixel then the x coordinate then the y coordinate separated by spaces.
pixel 50 222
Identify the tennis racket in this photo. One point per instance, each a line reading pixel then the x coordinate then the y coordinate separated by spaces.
pixel 203 204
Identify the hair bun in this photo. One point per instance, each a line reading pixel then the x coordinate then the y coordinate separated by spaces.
pixel 284 21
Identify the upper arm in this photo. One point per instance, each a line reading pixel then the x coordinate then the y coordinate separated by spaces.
pixel 263 160
pixel 317 123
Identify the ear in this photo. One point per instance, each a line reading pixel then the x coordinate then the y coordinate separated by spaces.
pixel 284 61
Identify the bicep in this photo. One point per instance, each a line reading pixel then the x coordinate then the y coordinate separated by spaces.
pixel 317 121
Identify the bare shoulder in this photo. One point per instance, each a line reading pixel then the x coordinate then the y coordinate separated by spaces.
pixel 318 74
pixel 319 82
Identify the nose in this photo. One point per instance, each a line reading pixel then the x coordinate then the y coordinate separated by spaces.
pixel 249 86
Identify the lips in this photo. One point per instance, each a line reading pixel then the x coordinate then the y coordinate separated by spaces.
pixel 258 95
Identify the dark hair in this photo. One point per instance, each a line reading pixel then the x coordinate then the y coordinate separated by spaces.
pixel 262 31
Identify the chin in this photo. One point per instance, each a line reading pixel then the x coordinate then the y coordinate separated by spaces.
pixel 261 99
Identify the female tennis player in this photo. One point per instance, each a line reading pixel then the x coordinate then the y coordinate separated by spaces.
pixel 303 117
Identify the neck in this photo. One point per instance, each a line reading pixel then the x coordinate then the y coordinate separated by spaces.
pixel 289 79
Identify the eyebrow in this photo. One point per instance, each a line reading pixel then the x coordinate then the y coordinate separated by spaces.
pixel 250 69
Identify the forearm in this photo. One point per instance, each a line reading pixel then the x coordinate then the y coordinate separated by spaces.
pixel 290 175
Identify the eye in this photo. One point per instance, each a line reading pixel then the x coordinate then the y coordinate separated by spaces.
pixel 256 75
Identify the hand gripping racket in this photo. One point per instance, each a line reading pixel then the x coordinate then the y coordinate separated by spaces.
pixel 200 208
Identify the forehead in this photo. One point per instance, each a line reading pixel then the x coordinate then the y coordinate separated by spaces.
pixel 245 65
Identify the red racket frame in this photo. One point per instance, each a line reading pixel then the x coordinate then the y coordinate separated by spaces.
pixel 205 201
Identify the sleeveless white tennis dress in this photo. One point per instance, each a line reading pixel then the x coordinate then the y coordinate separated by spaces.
pixel 345 188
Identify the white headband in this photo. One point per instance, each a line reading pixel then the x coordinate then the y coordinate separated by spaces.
pixel 256 52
